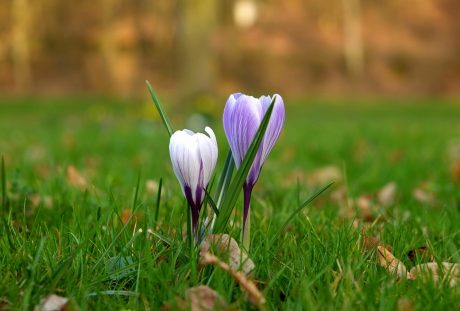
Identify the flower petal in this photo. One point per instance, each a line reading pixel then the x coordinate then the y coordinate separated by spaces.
pixel 274 126
pixel 241 121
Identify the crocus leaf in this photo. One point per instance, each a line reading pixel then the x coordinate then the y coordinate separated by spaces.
pixel 211 202
pixel 161 111
pixel 231 194
pixel 225 178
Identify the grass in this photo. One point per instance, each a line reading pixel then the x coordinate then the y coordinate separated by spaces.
pixel 83 242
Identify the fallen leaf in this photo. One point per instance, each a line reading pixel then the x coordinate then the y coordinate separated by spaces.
pixel 370 243
pixel 226 247
pixel 5 304
pixel 388 261
pixel 423 196
pixel 404 304
pixel 126 214
pixel 324 175
pixel 35 200
pixel 248 286
pixel 53 303
pixel 75 179
pixel 446 272
pixel 151 186
pixel 421 253
pixel 366 207
pixel 203 298
pixel 455 171
pixel 386 195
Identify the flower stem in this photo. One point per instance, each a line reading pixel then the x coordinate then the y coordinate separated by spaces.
pixel 246 232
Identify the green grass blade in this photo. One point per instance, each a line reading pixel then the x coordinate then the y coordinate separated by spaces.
pixel 225 178
pixel 157 207
pixel 302 206
pixel 231 194
pixel 3 183
pixel 161 111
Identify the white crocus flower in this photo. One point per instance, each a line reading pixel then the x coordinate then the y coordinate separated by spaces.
pixel 194 157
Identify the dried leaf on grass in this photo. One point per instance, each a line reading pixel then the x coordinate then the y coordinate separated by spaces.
pixel 36 199
pixel 324 175
pixel 75 179
pixel 151 186
pixel 54 303
pixel 226 247
pixel 199 298
pixel 444 272
pixel 423 195
pixel 370 243
pixel 126 215
pixel 5 304
pixel 203 298
pixel 455 170
pixel 386 196
pixel 387 260
pixel 318 177
pixel 248 286
pixel 421 253
pixel 404 304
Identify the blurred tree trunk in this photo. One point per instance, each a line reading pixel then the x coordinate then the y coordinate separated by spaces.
pixel 108 45
pixel 197 58
pixel 20 43
pixel 353 42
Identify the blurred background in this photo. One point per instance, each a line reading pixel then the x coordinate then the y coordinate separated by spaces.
pixel 193 49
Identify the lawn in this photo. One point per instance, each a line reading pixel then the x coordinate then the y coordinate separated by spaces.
pixel 76 169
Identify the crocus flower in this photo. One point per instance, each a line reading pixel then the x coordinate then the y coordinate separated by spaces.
pixel 194 157
pixel 242 117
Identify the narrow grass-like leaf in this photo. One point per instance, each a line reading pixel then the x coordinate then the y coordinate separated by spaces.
pixel 232 192
pixel 211 202
pixel 161 111
pixel 225 178
pixel 3 183
pixel 157 207
pixel 136 193
pixel 117 236
pixel 302 206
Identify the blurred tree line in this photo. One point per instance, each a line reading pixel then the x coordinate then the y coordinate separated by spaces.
pixel 192 47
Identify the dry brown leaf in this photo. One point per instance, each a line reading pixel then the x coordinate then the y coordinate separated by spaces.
pixel 324 175
pixel 422 253
pixel 423 196
pixel 386 195
pixel 455 171
pixel 366 207
pixel 226 247
pixel 388 261
pixel 36 199
pixel 404 304
pixel 248 286
pixel 75 179
pixel 53 303
pixel 151 186
pixel 370 243
pixel 126 214
pixel 203 298
pixel 5 304
pixel 446 272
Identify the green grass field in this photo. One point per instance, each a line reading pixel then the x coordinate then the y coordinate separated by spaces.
pixel 66 235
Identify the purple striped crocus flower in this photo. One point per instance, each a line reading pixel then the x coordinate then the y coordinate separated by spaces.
pixel 193 157
pixel 242 117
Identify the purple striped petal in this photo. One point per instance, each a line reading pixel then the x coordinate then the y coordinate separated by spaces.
pixel 242 117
